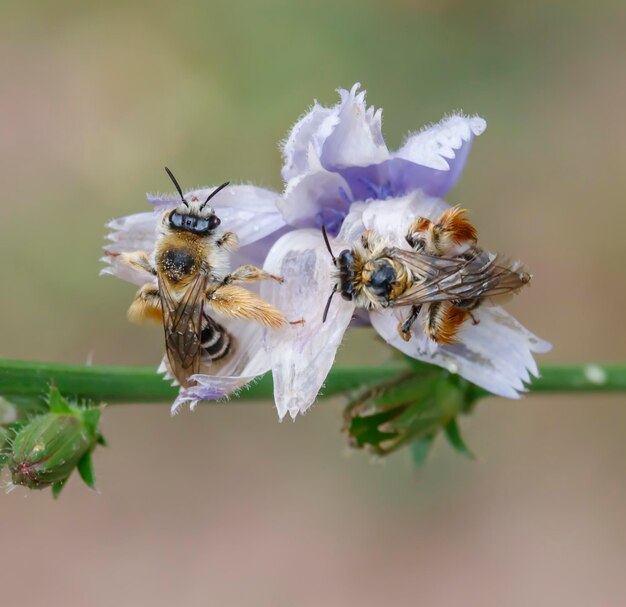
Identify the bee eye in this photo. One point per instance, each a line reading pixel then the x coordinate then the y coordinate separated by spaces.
pixel 176 220
pixel 346 258
pixel 214 221
pixel 202 225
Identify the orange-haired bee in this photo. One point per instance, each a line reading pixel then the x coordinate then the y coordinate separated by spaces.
pixel 445 273
pixel 190 264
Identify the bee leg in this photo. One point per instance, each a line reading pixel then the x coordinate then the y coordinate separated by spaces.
pixel 139 260
pixel 416 233
pixel 146 305
pixel 237 302
pixel 228 240
pixel 404 328
pixel 468 305
pixel 443 321
pixel 475 321
pixel 249 274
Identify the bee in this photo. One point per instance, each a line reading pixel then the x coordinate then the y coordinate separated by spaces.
pixel 445 273
pixel 192 281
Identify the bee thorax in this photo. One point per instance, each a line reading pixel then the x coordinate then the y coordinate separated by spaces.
pixel 177 263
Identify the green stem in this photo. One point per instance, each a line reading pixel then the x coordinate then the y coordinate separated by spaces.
pixel 26 379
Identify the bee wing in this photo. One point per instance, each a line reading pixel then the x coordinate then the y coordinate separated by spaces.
pixel 427 265
pixel 182 321
pixel 445 279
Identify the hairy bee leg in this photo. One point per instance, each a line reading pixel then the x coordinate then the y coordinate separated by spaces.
pixel 228 240
pixel 139 260
pixel 146 305
pixel 416 232
pixel 443 321
pixel 456 226
pixel 237 302
pixel 475 321
pixel 468 305
pixel 368 240
pixel 448 234
pixel 249 274
pixel 404 328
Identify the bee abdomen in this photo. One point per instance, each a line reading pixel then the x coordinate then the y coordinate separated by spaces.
pixel 216 341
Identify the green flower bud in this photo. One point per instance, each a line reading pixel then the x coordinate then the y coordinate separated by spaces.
pixel 46 450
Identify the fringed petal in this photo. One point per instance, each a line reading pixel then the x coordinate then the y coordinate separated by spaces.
pixel 302 354
pixel 495 354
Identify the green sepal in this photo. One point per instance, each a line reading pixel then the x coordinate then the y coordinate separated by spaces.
pixel 85 469
pixel 57 487
pixel 91 418
pixel 7 433
pixel 56 402
pixel 411 408
pixel 102 441
pixel 420 449
pixel 365 430
pixel 453 434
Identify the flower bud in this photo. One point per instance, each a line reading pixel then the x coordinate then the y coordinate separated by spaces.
pixel 47 450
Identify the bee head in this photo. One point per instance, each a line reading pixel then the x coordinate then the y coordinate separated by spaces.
pixel 345 266
pixel 345 271
pixel 194 215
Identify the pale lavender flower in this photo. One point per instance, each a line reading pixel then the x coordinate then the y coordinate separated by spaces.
pixel 252 214
pixel 336 156
pixel 339 173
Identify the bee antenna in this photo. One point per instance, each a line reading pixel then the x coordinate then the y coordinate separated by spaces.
pixel 330 251
pixel 330 298
pixel 214 192
pixel 171 175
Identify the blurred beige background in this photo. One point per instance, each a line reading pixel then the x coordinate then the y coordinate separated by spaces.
pixel 227 506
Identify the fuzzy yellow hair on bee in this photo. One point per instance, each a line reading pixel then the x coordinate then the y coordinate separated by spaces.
pixel 191 281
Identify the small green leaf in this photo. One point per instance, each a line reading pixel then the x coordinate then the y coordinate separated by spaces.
pixel 56 488
pixel 454 437
pixel 85 469
pixel 420 449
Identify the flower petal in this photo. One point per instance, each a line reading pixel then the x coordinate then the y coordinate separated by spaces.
pixel 495 354
pixel 248 361
pixel 316 199
pixel 248 211
pixel 391 219
pixel 306 137
pixel 302 355
pixel 444 147
pixel 356 139
pixel 131 233
pixel 134 232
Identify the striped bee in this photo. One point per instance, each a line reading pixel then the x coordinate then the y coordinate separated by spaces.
pixel 192 281
pixel 445 275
